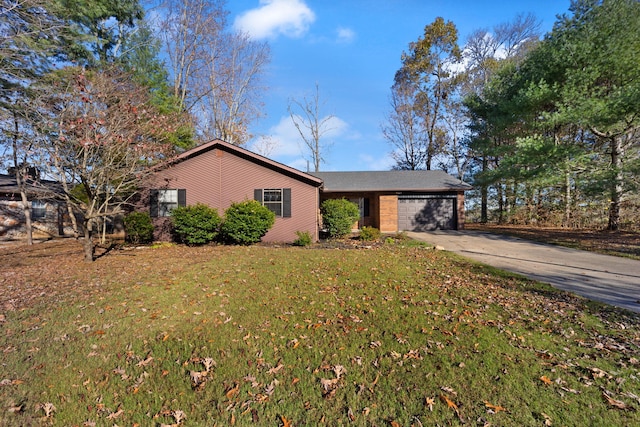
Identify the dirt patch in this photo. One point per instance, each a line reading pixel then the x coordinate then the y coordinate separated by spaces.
pixel 618 243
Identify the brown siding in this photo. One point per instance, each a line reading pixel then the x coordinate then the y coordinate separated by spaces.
pixel 389 214
pixel 460 211
pixel 218 178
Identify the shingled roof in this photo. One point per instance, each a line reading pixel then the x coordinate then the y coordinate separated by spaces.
pixel 39 188
pixel 403 180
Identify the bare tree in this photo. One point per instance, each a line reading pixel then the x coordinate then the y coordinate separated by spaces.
pixel 264 145
pixel 215 71
pixel 234 76
pixel 307 117
pixel 104 133
pixel 404 129
pixel 189 28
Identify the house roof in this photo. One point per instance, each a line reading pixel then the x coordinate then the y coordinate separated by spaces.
pixel 248 155
pixel 402 180
pixel 38 188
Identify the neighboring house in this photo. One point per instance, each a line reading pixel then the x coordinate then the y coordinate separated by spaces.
pixel 47 214
pixel 218 174
pixel 400 200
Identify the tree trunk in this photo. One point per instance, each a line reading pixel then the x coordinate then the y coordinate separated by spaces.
pixel 20 181
pixel 484 195
pixel 501 201
pixel 566 222
pixel 27 216
pixel 617 152
pixel 87 244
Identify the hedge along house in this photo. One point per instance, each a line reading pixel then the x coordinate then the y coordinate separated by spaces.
pixel 403 200
pixel 218 174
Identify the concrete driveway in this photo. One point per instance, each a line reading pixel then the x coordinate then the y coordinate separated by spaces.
pixel 604 278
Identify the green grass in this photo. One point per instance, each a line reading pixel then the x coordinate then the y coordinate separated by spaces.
pixel 269 336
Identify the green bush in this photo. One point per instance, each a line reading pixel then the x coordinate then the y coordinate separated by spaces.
pixel 304 238
pixel 138 227
pixel 196 224
pixel 245 223
pixel 338 216
pixel 369 234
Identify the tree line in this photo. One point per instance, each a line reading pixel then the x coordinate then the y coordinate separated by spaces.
pixel 93 92
pixel 546 128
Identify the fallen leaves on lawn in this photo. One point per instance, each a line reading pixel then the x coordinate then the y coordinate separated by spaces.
pixel 546 380
pixel 330 386
pixel 452 405
pixel 430 401
pixel 494 408
pixel 285 421
pixel 618 404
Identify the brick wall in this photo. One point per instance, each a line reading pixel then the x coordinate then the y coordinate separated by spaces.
pixel 389 214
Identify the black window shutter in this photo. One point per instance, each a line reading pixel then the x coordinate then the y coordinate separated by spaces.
pixel 257 195
pixel 366 207
pixel 153 203
pixel 182 197
pixel 286 202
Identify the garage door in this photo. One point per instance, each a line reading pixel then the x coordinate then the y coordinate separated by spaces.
pixel 426 213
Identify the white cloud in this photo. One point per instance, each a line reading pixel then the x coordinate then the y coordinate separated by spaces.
pixel 288 146
pixel 290 18
pixel 345 35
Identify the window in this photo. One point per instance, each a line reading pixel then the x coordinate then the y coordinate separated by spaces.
pixel 164 201
pixel 277 200
pixel 38 209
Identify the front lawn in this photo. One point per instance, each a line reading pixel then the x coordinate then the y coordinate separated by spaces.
pixel 398 335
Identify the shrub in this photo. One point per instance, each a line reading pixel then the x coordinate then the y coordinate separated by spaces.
pixel 196 224
pixel 245 223
pixel 138 227
pixel 304 238
pixel 338 216
pixel 369 234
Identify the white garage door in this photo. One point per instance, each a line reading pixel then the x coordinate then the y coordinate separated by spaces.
pixel 426 213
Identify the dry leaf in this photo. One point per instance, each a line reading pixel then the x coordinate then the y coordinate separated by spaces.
pixel 145 362
pixel 546 380
pixel 613 402
pixel 395 424
pixel 276 369
pixel 495 408
pixel 179 416
pixel 232 391
pixel 449 390
pixel 285 422
pixel 547 420
pixel 114 415
pixel 350 414
pixel 450 403
pixel 430 401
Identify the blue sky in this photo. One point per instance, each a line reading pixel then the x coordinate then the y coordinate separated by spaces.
pixel 352 49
